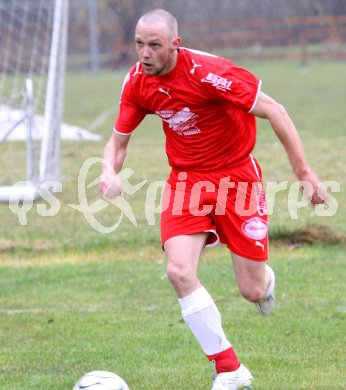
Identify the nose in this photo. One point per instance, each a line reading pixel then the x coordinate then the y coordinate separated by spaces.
pixel 146 52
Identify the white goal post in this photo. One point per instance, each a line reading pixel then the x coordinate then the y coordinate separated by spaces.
pixel 33 45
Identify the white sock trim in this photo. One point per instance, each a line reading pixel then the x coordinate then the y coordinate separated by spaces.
pixel 195 302
pixel 271 286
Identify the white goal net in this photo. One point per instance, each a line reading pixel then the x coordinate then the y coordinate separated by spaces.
pixel 33 40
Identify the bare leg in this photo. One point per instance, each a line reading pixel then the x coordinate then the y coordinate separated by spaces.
pixel 251 277
pixel 183 253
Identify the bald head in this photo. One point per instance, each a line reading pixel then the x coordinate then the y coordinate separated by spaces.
pixel 160 17
pixel 157 42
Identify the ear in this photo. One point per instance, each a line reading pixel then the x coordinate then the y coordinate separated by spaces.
pixel 176 42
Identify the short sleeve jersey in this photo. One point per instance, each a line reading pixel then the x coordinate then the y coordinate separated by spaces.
pixel 205 104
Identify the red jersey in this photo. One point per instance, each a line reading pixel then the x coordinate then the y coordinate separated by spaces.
pixel 205 105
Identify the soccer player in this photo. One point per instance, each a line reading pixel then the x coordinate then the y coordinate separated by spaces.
pixel 214 192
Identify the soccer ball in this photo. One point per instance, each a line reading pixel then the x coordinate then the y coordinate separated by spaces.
pixel 101 380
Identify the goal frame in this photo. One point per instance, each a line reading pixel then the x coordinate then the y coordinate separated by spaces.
pixel 49 154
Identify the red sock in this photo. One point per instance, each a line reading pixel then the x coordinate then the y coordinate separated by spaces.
pixel 225 361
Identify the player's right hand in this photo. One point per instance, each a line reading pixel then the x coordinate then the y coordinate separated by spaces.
pixel 111 185
pixel 315 191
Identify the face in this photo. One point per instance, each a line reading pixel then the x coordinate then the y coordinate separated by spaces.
pixel 156 51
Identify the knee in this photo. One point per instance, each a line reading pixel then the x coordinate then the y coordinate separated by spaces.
pixel 178 273
pixel 252 293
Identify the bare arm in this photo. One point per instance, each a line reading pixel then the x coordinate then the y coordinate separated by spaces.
pixel 284 128
pixel 115 152
pixel 113 158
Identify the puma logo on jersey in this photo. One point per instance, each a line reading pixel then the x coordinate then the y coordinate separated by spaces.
pixel 165 92
pixel 257 243
pixel 192 71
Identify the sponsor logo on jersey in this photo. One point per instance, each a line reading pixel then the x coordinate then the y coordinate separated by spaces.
pixel 218 82
pixel 255 228
pixel 182 122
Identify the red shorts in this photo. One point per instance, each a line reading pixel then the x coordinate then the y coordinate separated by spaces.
pixel 229 204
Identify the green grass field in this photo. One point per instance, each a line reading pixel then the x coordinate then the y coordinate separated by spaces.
pixel 73 300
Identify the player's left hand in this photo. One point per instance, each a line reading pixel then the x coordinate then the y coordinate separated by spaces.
pixel 315 191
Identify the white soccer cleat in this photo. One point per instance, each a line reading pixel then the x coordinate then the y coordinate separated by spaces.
pixel 240 379
pixel 266 305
